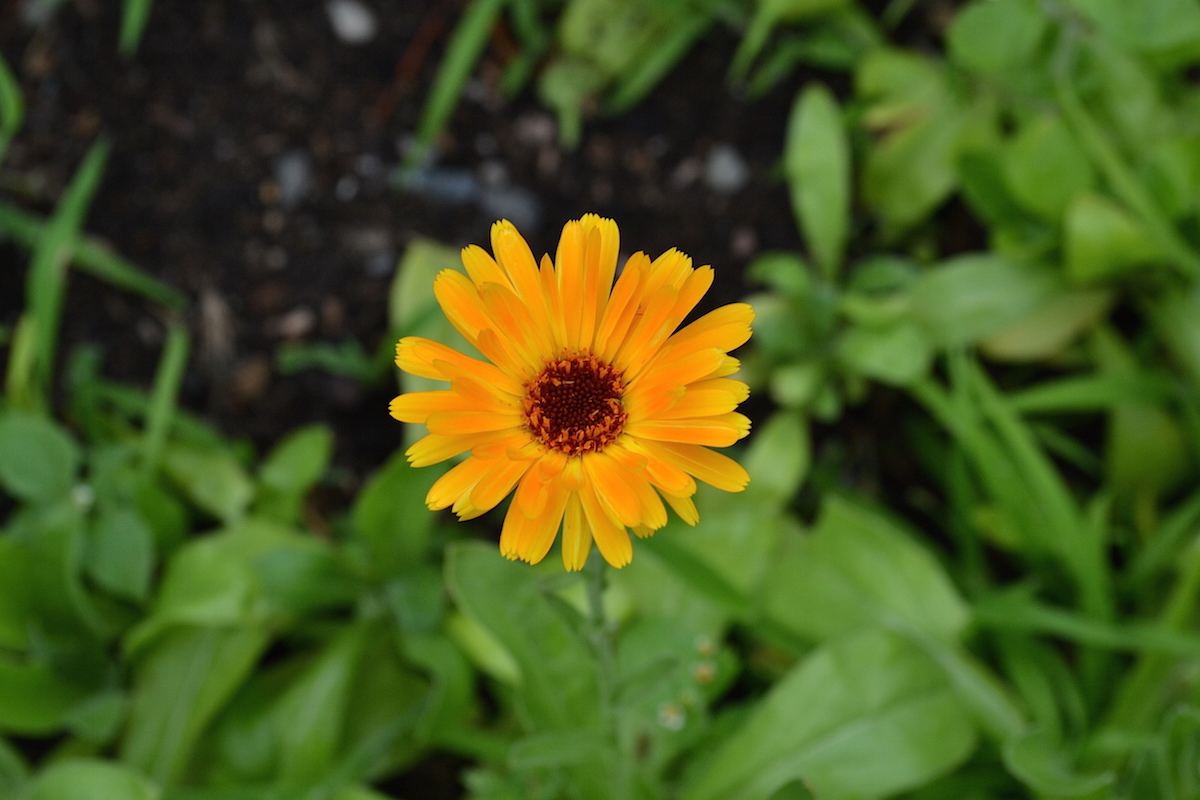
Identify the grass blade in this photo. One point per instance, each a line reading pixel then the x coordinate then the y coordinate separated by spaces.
pixel 12 106
pixel 46 282
pixel 164 396
pixel 466 47
pixel 93 257
pixel 134 17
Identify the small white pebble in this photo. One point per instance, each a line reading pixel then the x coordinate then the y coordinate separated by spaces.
pixel 353 22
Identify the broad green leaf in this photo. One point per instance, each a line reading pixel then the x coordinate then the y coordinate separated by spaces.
pixel 34 701
pixel 299 461
pixel 557 689
pixel 1040 763
pixel 92 779
pixel 214 580
pixel 1047 332
pixel 911 169
pixel 859 569
pixel 779 457
pixel 1046 167
pixel 898 354
pixel 310 716
pixel 16 594
pixel 134 16
pixel 212 478
pixel 862 717
pixel 447 705
pixel 291 469
pixel 305 577
pixel 991 36
pixel 554 749
pixel 973 296
pixel 557 681
pixel 38 459
pixel 389 515
pixel 14 772
pixel 1169 30
pixel 1101 240
pixel 816 160
pixel 120 553
pixel 178 687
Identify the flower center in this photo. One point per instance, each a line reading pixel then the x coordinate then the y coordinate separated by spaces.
pixel 574 404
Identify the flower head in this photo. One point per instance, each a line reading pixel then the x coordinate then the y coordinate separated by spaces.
pixel 591 405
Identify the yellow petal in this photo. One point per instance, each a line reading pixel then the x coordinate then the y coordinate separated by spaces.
pixel 684 506
pixel 481 267
pixel 577 535
pixel 611 537
pixel 456 482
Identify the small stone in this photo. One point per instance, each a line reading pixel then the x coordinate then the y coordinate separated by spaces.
pixel 346 188
pixel 275 258
pixel 451 186
pixel 352 21
pixel 725 170
pixel 380 264
pixel 516 204
pixel 293 177
pixel 295 324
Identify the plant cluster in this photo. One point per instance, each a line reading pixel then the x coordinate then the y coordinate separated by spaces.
pixel 1002 236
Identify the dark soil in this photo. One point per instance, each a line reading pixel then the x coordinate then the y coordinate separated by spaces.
pixel 225 95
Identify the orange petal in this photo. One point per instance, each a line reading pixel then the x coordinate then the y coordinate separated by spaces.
pixel 618 498
pixel 518 262
pixel 449 423
pixel 718 431
pixel 417 406
pixel 725 328
pixel 496 485
pixel 529 537
pixel 707 465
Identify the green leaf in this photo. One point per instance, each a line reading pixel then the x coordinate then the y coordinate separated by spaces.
pixel 120 553
pixel 779 457
pixel 179 686
pixel 291 469
pixel 859 569
pixel 389 515
pixel 969 297
pixel 1047 332
pixel 34 701
pixel 92 779
pixel 1046 167
pixel 134 16
pixel 46 281
pixel 767 17
pixel 557 688
pixel 911 168
pixel 12 107
pixel 816 160
pixel 862 717
pixel 38 459
pixel 462 53
pixel 1102 240
pixel 310 716
pixel 212 478
pixel 214 580
pixel 16 593
pixel 897 355
pixel 1039 762
pixel 991 36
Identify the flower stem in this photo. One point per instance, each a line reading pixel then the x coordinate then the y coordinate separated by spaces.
pixel 601 635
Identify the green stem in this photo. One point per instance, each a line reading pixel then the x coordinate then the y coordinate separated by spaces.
pixel 601 635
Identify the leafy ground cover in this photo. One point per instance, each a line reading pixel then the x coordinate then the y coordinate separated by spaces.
pixel 966 565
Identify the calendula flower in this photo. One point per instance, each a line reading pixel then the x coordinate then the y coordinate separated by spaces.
pixel 591 405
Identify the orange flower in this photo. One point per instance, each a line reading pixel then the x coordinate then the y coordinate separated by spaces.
pixel 593 407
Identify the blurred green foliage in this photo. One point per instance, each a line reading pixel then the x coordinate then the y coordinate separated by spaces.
pixel 178 619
